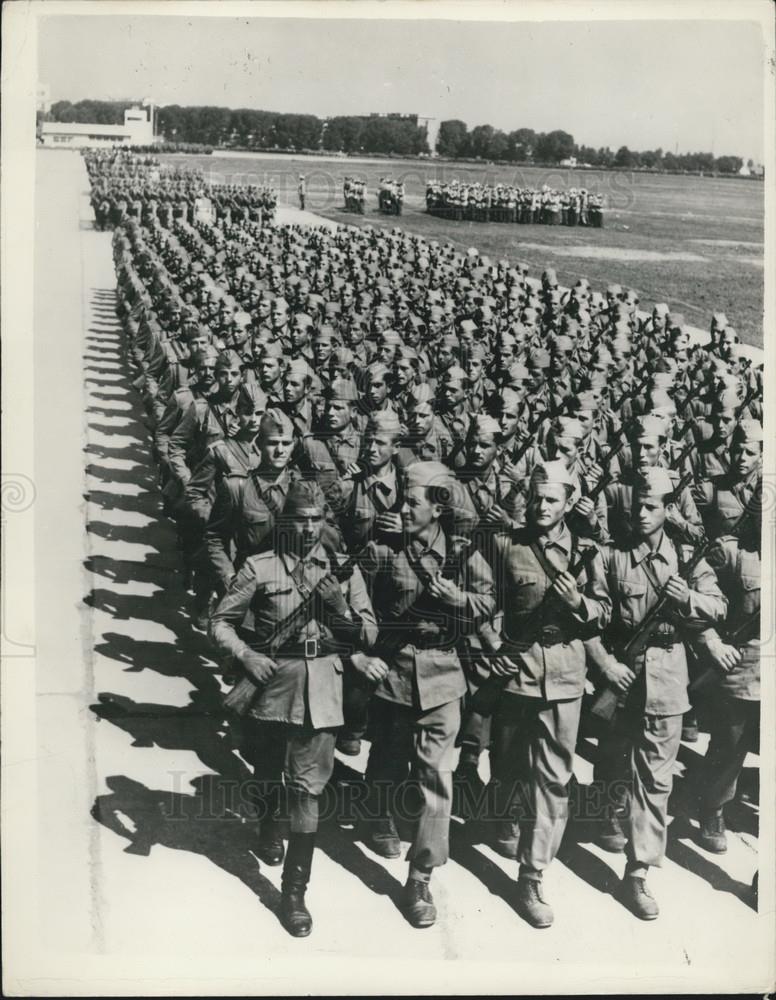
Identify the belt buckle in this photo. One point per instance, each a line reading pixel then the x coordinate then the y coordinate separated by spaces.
pixel 310 649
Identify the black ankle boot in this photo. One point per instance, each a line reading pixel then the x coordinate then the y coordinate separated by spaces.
pixel 270 845
pixel 294 915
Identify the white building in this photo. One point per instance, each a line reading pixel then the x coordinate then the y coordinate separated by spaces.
pixel 137 130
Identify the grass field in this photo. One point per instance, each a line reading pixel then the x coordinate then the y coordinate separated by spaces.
pixel 694 242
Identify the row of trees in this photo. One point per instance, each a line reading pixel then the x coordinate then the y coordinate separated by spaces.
pixel 524 146
pixel 249 129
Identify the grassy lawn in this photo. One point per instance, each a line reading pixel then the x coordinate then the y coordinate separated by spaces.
pixel 694 242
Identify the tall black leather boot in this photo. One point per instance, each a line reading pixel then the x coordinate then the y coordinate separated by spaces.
pixel 294 915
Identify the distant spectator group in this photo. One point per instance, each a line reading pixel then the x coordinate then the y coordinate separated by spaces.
pixel 507 203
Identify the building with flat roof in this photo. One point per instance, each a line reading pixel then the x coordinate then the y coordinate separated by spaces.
pixel 137 130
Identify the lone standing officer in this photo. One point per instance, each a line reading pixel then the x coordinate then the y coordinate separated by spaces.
pixel 301 190
pixel 646 731
pixel 291 696
pixel 548 611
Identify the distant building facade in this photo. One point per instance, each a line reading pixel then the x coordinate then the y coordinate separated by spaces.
pixel 137 130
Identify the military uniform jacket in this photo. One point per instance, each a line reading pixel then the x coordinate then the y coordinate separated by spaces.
pixel 551 670
pixel 739 572
pixel 722 501
pixel 426 671
pixel 661 687
pixel 269 586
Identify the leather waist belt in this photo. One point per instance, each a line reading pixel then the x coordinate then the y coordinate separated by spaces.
pixel 547 635
pixel 311 649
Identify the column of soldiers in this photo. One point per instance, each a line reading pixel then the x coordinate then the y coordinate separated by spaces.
pixel 390 197
pixel 426 501
pixel 354 194
pixel 478 202
pixel 125 185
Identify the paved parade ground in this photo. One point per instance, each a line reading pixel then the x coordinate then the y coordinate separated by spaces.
pixel 139 854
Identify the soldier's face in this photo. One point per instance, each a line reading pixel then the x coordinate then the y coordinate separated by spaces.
pixel 228 378
pixel 376 390
pixel 294 388
pixel 300 335
pixel 725 424
pixel 453 393
pixel 305 528
pixel 746 457
pixel 250 421
pixel 322 352
pixel 445 356
pixel 338 414
pixel 586 418
pixel 474 368
pixel 417 512
pixel 386 353
pixel 378 450
pixel 508 422
pixel 264 309
pixel 646 452
pixel 279 318
pixel 564 448
pixel 649 514
pixel 481 451
pixel 275 450
pixel 547 505
pixel 420 419
pixel 206 373
pixel 269 370
pixel 403 372
pixel 198 343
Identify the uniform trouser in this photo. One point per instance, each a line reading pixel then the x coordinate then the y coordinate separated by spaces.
pixel 636 763
pixel 531 758
pixel 406 739
pixel 355 705
pixel 734 725
pixel 474 734
pixel 301 755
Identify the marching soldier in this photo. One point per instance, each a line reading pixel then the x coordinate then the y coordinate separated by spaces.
pixel 290 689
pixel 646 665
pixel 550 605
pixel 429 595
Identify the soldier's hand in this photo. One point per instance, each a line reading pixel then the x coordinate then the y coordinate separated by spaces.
pixel 678 591
pixel 511 471
pixel 261 668
pixel 593 474
pixel 585 508
pixel 447 592
pixel 371 667
pixel 504 666
pixel 239 699
pixel 619 676
pixel 391 523
pixel 566 587
pixel 354 469
pixel 724 656
pixel 332 596
pixel 495 517
pixel 674 516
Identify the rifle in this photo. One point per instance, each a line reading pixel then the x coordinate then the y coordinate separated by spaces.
pixel 486 697
pixel 733 638
pixel 608 700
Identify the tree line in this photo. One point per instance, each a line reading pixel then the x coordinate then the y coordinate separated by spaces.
pixel 245 128
pixel 524 145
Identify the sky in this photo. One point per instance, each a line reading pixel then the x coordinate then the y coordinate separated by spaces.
pixel 695 85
